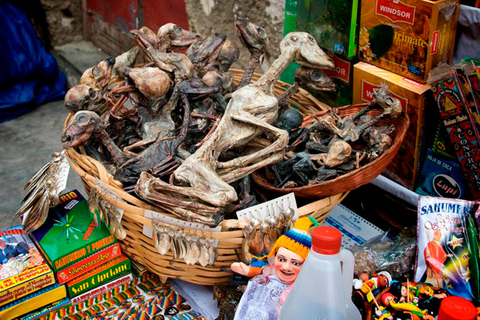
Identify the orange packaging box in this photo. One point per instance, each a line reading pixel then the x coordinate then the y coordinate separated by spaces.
pixel 408 37
pixel 405 167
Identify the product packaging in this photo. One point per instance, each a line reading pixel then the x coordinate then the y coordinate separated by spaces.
pixel 23 270
pixel 458 122
pixel 408 37
pixel 70 234
pixel 333 24
pixel 443 248
pixel 441 178
pixel 405 167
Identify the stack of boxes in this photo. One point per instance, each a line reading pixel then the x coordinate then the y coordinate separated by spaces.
pixel 26 280
pixel 84 256
pixel 399 41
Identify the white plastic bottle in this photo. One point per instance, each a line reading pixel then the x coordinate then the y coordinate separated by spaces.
pixel 323 288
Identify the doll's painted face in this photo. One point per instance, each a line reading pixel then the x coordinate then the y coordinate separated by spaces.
pixel 287 264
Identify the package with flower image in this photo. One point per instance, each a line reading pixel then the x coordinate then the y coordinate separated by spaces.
pixel 443 246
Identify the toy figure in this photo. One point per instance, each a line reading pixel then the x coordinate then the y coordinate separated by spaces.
pixel 271 284
pixel 370 290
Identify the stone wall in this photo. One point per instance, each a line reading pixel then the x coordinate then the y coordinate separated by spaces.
pixel 64 19
pixel 209 16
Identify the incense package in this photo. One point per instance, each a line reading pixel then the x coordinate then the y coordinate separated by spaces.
pixel 405 167
pixel 458 122
pixel 408 37
pixel 443 244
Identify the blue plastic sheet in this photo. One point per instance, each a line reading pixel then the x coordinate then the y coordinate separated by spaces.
pixel 29 75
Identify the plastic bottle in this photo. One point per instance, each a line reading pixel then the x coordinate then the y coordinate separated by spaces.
pixel 456 308
pixel 323 288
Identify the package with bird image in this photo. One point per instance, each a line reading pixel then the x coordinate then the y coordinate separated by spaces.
pixel 443 255
pixel 70 235
pixel 408 37
pixel 414 98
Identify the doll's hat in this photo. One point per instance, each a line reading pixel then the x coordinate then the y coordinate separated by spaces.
pixel 297 239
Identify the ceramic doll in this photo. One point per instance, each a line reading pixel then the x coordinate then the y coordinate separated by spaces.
pixel 270 285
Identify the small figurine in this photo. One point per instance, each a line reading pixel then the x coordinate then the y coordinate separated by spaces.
pixel 269 287
pixel 367 290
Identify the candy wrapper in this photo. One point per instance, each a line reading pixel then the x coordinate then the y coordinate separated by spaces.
pixel 443 244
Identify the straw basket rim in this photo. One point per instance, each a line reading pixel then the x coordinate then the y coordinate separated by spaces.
pixel 352 179
pixel 140 248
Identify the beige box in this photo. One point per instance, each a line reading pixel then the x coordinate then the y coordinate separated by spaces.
pixel 405 167
pixel 408 37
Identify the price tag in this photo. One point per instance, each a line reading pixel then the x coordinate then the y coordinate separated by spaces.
pixel 148 231
pixel 63 171
pixel 263 210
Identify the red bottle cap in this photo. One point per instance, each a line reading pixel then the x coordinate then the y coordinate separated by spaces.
pixel 326 240
pixel 457 308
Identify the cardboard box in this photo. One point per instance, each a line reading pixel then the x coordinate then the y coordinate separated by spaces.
pixel 289 25
pixel 405 167
pixel 408 37
pixel 70 234
pixel 23 270
pixel 332 23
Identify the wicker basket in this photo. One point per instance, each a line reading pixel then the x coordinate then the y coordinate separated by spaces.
pixel 140 248
pixel 355 178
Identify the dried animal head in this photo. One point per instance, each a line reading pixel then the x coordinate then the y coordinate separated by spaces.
pixel 253 37
pixel 314 80
pixel 82 97
pixel 81 128
pixel 173 36
pixel 305 51
pixel 98 76
pixel 391 105
pixel 203 52
pixel 340 152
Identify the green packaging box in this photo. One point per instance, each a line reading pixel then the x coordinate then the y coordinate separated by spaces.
pixel 334 24
pixel 70 234
pixel 290 25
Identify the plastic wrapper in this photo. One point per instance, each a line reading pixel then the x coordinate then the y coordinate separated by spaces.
pixel 387 252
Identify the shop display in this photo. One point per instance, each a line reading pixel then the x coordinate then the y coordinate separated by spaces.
pixel 413 97
pixel 408 37
pixel 182 157
pixel 23 270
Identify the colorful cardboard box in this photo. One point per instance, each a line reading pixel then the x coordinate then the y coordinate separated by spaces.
pixel 70 234
pixel 408 37
pixel 405 167
pixel 332 23
pixel 107 272
pixel 23 270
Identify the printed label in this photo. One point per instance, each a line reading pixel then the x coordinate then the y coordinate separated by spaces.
pixel 395 10
pixel 367 94
pixel 342 70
